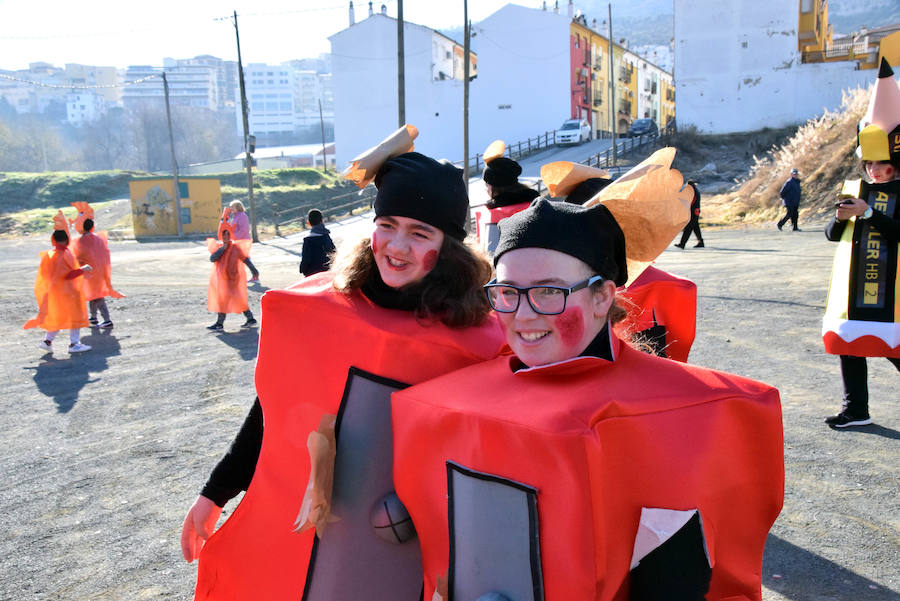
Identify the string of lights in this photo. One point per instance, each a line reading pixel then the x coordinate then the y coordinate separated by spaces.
pixel 41 84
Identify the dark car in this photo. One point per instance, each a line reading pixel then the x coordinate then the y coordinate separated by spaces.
pixel 642 127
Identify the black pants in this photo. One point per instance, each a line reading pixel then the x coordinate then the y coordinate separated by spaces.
pixel 254 272
pixel 792 214
pixel 221 316
pixel 856 386
pixel 693 227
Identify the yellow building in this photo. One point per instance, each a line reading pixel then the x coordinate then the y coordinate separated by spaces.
pixel 817 44
pixel 153 205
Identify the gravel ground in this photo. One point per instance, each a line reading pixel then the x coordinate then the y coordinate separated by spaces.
pixel 105 451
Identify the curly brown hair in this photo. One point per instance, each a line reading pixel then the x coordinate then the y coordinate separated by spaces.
pixel 450 293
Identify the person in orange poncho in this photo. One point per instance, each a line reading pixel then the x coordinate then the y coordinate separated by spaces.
pixel 57 290
pixel 228 280
pixel 92 249
pixel 578 467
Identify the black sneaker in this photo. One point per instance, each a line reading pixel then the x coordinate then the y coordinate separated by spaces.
pixel 250 323
pixel 215 327
pixel 844 419
pixel 779 226
pixel 93 321
pixel 699 245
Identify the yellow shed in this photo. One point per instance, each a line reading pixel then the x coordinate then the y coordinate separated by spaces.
pixel 153 205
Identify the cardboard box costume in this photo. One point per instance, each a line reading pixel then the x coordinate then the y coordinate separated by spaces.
pixel 255 554
pixel 664 314
pixel 532 484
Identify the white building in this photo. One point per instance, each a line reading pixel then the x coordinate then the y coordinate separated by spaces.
pixel 364 75
pixel 523 86
pixel 270 98
pixel 737 67
pixel 84 106
pixel 193 85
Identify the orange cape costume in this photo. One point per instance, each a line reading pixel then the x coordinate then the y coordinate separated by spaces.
pixel 228 280
pixel 664 313
pixel 92 249
pixel 61 304
pixel 572 453
pixel 325 353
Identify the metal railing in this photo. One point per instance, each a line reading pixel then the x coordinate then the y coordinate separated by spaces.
pixel 519 149
pixel 604 159
pixel 359 199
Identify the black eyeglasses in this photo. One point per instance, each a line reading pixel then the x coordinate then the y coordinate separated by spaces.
pixel 546 300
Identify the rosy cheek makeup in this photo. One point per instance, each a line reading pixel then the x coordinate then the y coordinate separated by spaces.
pixel 430 260
pixel 570 325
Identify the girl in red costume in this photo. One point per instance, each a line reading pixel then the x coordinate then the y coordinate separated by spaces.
pixel 578 467
pixel 57 290
pixel 402 306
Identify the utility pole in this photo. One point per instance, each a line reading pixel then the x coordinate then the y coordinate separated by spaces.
pixel 401 76
pixel 612 88
pixel 247 145
pixel 322 126
pixel 466 27
pixel 174 162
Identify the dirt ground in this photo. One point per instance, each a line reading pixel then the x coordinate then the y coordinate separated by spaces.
pixel 105 451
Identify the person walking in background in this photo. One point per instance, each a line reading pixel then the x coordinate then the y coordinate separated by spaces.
pixel 227 286
pixel 241 224
pixel 57 290
pixel 693 225
pixel 92 249
pixel 317 246
pixel 790 200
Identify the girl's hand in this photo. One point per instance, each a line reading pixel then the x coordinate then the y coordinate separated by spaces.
pixel 851 207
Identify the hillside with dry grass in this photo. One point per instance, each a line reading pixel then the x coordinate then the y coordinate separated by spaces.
pixel 822 149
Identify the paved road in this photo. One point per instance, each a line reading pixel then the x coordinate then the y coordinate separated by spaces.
pixel 104 452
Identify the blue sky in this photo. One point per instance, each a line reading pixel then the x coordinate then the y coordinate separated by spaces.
pixel 122 32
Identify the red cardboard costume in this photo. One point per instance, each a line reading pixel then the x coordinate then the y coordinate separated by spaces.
pixel 255 554
pixel 486 220
pixel 59 295
pixel 540 477
pixel 92 249
pixel 663 313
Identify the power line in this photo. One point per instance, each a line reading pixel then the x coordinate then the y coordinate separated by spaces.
pixel 40 84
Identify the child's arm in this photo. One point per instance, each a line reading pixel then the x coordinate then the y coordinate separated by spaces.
pixel 77 272
pixel 217 254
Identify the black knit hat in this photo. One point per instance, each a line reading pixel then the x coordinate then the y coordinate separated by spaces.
pixel 419 187
pixel 591 235
pixel 587 189
pixel 502 172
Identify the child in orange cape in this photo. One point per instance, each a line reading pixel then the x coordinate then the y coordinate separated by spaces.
pixel 228 280
pixel 92 249
pixel 57 290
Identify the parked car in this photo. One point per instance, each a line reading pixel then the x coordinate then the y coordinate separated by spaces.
pixel 573 131
pixel 641 127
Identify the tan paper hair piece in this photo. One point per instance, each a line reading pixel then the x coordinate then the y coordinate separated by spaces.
pixel 363 168
pixel 59 221
pixel 562 177
pixel 494 150
pixel 315 509
pixel 651 203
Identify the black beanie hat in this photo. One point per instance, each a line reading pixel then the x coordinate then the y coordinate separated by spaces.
pixel 419 187
pixel 502 172
pixel 587 189
pixel 589 234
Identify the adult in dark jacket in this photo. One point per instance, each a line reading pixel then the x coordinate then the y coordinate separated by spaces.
pixel 317 246
pixel 501 179
pixel 693 225
pixel 790 199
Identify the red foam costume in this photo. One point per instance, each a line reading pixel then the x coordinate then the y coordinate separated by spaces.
pixel 301 375
pixel 228 280
pixel 92 249
pixel 61 304
pixel 663 302
pixel 595 441
pixel 486 220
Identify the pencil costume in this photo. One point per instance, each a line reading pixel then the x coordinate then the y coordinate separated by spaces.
pixel 58 292
pixel 228 280
pixel 92 248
